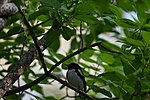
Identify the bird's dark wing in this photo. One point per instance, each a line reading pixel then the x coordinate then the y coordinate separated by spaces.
pixel 80 73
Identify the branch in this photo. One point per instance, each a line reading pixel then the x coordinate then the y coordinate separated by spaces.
pixel 22 88
pixel 25 61
pixel 81 36
pixel 73 54
pixel 73 88
pixel 34 39
pixel 25 87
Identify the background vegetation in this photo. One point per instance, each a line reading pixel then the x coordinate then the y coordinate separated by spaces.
pixel 42 24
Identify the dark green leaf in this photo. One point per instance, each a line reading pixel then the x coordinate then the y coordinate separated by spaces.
pixel 55 45
pixel 52 36
pixel 41 11
pixel 87 18
pixel 14 30
pixel 51 3
pixel 102 5
pixel 13 19
pixel 125 5
pixel 67 33
pixel 128 67
pixel 89 39
pixel 113 76
pixel 99 90
pixel 38 31
pixel 85 8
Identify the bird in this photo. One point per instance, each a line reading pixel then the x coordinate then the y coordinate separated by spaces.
pixel 75 77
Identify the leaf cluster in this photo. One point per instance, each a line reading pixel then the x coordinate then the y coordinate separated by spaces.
pixel 112 71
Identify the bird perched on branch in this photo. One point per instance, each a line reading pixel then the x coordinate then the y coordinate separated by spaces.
pixel 75 77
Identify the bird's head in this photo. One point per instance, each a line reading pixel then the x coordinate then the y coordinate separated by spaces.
pixel 73 66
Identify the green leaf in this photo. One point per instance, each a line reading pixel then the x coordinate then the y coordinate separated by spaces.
pixel 74 44
pixel 14 30
pixel 19 39
pixel 128 67
pixel 109 45
pixel 146 36
pixel 67 33
pixel 52 36
pixel 55 45
pixel 87 58
pixel 88 52
pixel 113 76
pixel 102 5
pixel 117 90
pixel 133 42
pixel 99 90
pixel 116 10
pixel 127 23
pixel 89 39
pixel 87 18
pixel 114 69
pixel 51 3
pixel 14 96
pixel 38 31
pixel 107 58
pixel 14 19
pixel 128 56
pixel 85 8
pixel 41 11
pixel 125 5
pixel 127 96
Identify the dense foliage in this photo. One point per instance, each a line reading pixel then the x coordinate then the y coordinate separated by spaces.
pixel 83 22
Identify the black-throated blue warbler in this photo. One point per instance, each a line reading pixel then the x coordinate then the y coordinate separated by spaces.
pixel 75 77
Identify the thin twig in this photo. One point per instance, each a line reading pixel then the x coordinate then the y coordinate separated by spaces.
pixel 73 54
pixel 81 36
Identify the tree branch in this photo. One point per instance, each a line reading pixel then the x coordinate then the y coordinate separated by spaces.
pixel 22 88
pixel 25 61
pixel 34 39
pixel 73 54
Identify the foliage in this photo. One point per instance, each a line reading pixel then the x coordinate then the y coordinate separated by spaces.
pixel 82 22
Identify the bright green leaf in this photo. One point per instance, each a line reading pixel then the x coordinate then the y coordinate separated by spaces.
pixel 116 10
pixel 107 58
pixel 146 36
